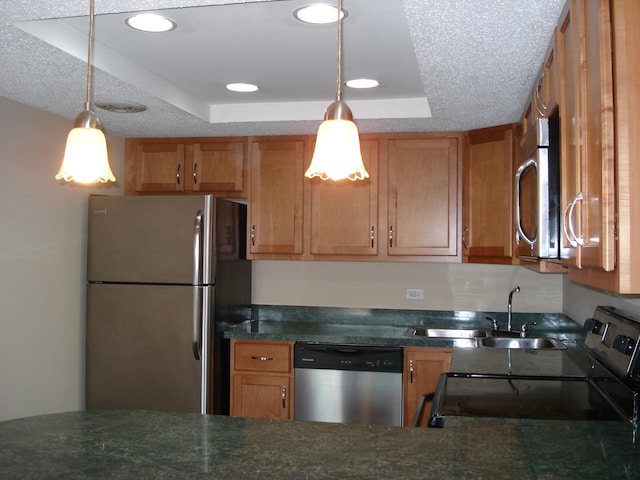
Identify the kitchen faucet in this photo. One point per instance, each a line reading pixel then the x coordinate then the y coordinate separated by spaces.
pixel 515 290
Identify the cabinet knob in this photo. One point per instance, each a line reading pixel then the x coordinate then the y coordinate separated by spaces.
pixel 284 396
pixel 178 174
pixel 373 236
pixel 391 236
pixel 195 174
pixel 253 235
pixel 410 371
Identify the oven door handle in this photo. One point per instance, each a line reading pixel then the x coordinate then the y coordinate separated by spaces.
pixel 427 397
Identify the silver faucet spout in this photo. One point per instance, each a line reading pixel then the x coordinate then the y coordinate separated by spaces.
pixel 515 290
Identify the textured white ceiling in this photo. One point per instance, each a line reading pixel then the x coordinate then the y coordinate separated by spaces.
pixel 473 60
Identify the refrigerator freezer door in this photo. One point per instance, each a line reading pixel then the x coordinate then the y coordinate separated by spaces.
pixel 139 348
pixel 149 239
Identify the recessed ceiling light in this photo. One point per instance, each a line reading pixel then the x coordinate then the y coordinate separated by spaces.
pixel 242 87
pixel 150 22
pixel 318 13
pixel 362 83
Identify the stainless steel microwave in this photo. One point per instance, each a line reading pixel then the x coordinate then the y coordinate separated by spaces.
pixel 537 199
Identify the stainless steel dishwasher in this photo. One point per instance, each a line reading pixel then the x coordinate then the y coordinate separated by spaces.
pixel 348 383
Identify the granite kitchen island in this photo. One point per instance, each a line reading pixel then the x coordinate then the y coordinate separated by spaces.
pixel 152 445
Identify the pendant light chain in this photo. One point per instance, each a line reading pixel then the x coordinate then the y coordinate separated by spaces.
pixel 87 103
pixel 339 79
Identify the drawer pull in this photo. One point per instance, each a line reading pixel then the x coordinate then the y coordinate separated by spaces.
pixel 284 396
pixel 262 359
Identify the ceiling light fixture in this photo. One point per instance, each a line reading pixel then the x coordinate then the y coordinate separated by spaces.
pixel 85 156
pixel 319 13
pixel 150 22
pixel 337 153
pixel 242 87
pixel 362 83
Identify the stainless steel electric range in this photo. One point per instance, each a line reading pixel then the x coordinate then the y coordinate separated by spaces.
pixel 600 381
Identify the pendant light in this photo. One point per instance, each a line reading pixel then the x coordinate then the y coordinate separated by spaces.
pixel 85 157
pixel 337 153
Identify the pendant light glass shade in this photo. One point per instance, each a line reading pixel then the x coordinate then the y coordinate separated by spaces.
pixel 337 154
pixel 85 157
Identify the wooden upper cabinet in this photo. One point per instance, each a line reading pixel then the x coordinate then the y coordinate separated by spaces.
pixel 186 165
pixel 276 200
pixel 218 166
pixel 487 196
pixel 584 50
pixel 344 214
pixel 625 14
pixel 423 197
pixel 156 167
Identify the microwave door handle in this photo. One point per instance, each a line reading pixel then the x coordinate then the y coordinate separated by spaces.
pixel 525 165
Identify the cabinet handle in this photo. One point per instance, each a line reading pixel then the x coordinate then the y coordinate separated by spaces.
pixel 262 359
pixel 567 224
pixel 410 371
pixel 253 235
pixel 464 238
pixel 284 396
pixel 195 174
pixel 391 236
pixel 178 174
pixel 373 235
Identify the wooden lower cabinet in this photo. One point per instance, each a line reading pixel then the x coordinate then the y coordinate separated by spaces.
pixel 262 379
pixel 422 368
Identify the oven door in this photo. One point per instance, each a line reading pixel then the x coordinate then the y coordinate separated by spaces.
pixel 519 396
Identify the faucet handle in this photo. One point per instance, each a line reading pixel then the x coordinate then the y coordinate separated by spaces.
pixel 523 329
pixel 495 323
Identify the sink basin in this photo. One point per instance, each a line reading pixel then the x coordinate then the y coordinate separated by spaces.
pixel 445 332
pixel 528 342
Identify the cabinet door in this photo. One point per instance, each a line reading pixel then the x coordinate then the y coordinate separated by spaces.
pixel 422 368
pixel 344 214
pixel 568 63
pixel 597 138
pixel 587 141
pixel 159 167
pixel 218 166
pixel 276 200
pixel 487 234
pixel 423 197
pixel 261 396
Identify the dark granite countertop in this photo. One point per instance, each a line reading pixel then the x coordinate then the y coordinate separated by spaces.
pixel 151 445
pixel 384 327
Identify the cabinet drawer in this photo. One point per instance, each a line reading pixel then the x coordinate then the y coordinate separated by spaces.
pixel 262 356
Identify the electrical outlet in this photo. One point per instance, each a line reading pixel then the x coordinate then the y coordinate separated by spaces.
pixel 415 294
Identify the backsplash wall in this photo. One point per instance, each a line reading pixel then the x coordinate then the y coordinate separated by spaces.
pixel 383 285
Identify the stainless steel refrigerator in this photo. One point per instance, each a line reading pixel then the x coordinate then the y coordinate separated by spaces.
pixel 166 275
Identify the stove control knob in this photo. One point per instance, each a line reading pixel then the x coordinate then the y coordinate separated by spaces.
pixel 592 325
pixel 624 344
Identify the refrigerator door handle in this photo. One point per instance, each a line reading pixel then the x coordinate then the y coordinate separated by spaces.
pixel 197 322
pixel 197 280
pixel 197 248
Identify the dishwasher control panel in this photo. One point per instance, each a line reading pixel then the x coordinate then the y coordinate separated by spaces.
pixel 363 358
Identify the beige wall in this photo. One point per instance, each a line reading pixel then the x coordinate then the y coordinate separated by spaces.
pixel 42 269
pixel 383 285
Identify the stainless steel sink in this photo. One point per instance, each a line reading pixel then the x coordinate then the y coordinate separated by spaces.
pixel 532 343
pixel 445 332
